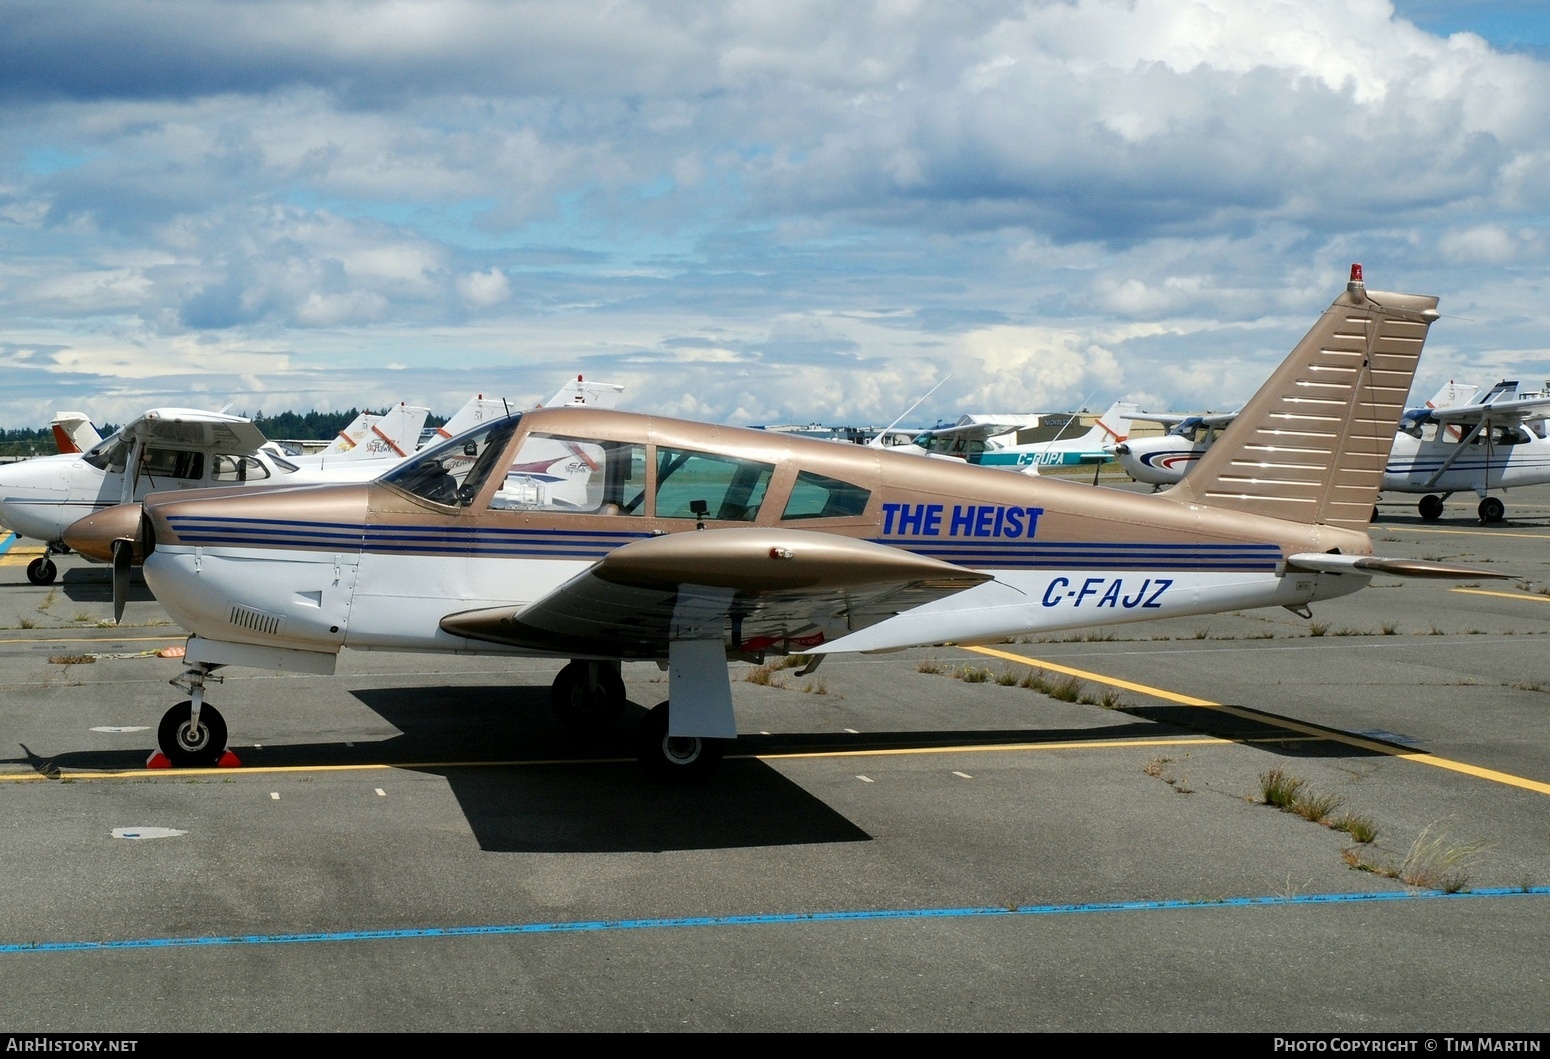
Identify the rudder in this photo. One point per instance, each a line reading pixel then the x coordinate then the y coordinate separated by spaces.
pixel 1310 446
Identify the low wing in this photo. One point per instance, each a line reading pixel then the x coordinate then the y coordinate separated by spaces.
pixel 768 589
pixel 193 427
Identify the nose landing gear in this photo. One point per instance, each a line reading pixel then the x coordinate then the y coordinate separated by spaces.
pixel 193 733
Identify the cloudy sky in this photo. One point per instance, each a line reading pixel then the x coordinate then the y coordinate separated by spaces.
pixel 767 211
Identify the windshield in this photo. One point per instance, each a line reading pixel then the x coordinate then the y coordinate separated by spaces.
pixel 453 472
pixel 109 454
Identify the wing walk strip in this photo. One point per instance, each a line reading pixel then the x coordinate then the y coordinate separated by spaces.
pixel 1279 722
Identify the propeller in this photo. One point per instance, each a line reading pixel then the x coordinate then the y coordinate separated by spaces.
pixel 123 561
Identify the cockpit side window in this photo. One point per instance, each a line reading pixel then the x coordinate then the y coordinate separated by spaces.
pixel 551 472
pixel 452 473
pixel 731 489
pixel 172 463
pixel 816 496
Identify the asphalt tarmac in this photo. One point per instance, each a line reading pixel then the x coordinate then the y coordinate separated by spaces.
pixel 1063 834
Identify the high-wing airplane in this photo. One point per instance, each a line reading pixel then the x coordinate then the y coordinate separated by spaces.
pixel 690 544
pixel 179 448
pixel 1452 444
pixel 73 432
pixel 165 448
pixel 992 441
pixel 1163 460
pixel 1496 443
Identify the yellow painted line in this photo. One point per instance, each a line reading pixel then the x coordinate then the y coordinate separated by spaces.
pixel 1086 744
pixel 1472 533
pixel 1503 595
pixel 271 770
pixel 1235 711
pixel 1098 678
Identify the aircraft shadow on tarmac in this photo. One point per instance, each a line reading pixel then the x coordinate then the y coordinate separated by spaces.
pixel 527 785
pixel 95 585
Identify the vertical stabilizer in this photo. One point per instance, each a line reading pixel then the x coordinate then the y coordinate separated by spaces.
pixel 1311 445
pixel 73 432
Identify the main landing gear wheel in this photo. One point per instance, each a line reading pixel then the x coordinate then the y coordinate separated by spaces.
pixel 681 759
pixel 1492 509
pixel 1430 507
pixel 587 696
pixel 187 746
pixel 42 571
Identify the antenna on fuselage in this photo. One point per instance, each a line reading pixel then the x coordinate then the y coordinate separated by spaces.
pixel 877 441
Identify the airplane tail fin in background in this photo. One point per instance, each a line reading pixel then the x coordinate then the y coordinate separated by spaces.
pixel 395 432
pixel 1311 445
pixel 592 394
pixel 73 432
pixel 1113 426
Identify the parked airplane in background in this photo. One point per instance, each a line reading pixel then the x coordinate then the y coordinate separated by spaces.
pixel 991 441
pixel 73 432
pixel 181 448
pixel 1496 443
pixel 165 448
pixel 1452 444
pixel 1163 460
pixel 690 544
pixel 391 435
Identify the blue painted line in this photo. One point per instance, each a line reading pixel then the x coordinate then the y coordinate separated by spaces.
pixel 6 542
pixel 601 925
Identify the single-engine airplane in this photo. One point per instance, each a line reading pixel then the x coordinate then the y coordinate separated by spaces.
pixel 180 448
pixel 1452 444
pixel 1164 459
pixel 73 432
pixel 689 544
pixel 993 441
pixel 1489 445
pixel 165 448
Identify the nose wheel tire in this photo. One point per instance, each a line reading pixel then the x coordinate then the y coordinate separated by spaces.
pixel 42 571
pixel 189 747
pixel 1492 509
pixel 676 759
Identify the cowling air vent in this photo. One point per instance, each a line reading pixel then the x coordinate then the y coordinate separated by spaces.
pixel 256 620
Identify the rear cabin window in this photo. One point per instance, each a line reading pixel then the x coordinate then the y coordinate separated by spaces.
pixel 237 469
pixel 815 496
pixel 731 489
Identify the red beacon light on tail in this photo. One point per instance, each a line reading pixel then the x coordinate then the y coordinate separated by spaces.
pixel 1356 286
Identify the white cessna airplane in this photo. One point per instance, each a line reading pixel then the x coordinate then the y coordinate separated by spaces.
pixel 992 441
pixel 1163 460
pixel 1452 444
pixel 691 544
pixel 183 448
